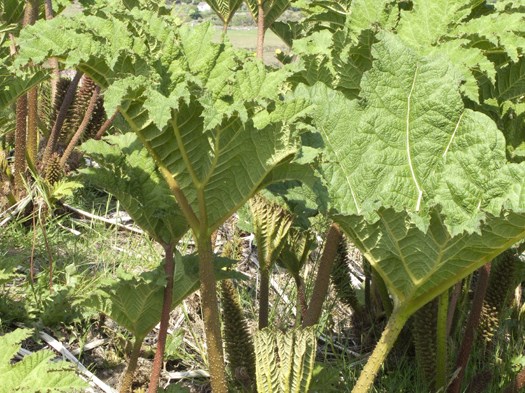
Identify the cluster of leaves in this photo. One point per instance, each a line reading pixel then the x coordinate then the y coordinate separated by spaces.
pixel 412 111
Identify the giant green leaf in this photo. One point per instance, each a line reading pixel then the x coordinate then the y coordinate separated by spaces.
pixel 420 183
pixel 125 170
pixel 186 105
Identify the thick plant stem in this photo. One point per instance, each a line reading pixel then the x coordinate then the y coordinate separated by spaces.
pixel 212 323
pixel 470 329
pixel 81 128
pixel 169 269
pixel 441 342
pixel 127 379
pixel 30 17
pixel 322 281
pixel 102 130
pixel 264 294
pixel 20 143
pixel 261 31
pixel 32 122
pixel 394 326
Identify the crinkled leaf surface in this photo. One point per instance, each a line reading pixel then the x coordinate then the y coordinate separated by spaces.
pixel 188 107
pixel 127 171
pixel 420 183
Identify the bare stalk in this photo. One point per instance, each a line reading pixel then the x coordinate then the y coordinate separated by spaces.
pixel 105 126
pixel 169 269
pixel 82 128
pixel 261 31
pixel 470 329
pixel 322 280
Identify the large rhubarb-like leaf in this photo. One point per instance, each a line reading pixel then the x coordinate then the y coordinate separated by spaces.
pixel 214 134
pixel 420 183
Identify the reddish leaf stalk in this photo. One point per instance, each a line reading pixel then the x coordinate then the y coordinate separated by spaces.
pixel 20 143
pixel 81 128
pixel 322 281
pixel 264 294
pixel 61 117
pixel 105 126
pixel 472 324
pixel 169 269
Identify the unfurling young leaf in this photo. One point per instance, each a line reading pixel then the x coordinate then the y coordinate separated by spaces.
pixel 285 361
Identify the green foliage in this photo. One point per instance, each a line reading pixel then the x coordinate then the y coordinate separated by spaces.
pixel 285 361
pixel 295 250
pixel 188 108
pixel 36 372
pixel 271 224
pixel 135 302
pixel 128 172
pixel 401 162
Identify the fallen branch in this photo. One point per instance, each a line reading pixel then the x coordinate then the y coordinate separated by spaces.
pixel 89 346
pixel 188 374
pixel 103 219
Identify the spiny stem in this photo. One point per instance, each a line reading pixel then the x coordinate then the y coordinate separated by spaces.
pixel 210 309
pixel 261 31
pixel 81 128
pixel 394 326
pixel 105 126
pixel 127 379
